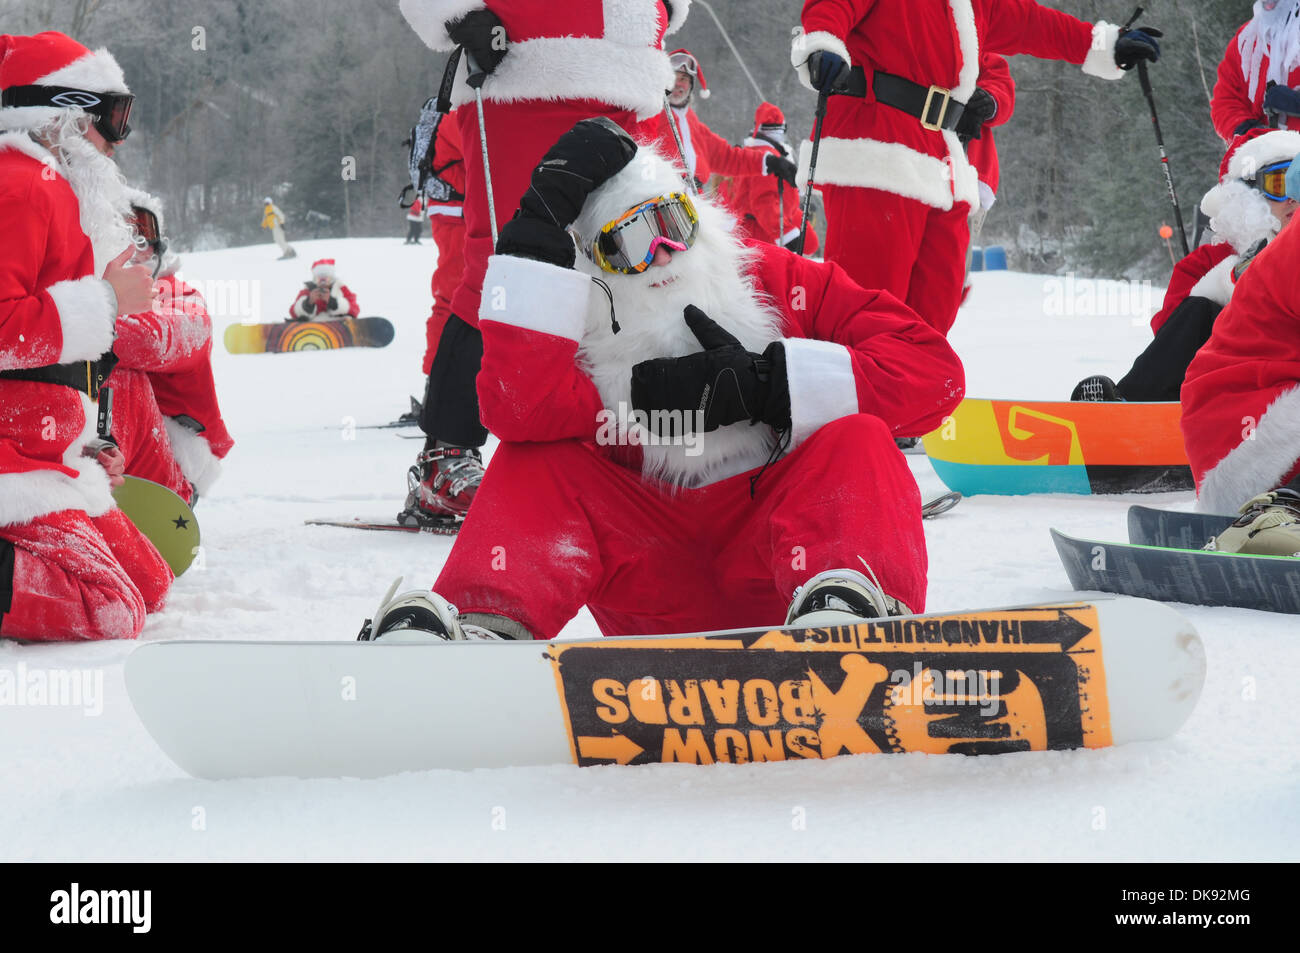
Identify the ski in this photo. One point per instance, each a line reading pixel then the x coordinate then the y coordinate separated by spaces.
pixel 450 528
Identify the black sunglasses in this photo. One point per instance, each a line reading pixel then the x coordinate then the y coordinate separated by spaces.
pixel 111 111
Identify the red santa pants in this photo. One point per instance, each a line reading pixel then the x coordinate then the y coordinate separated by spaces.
pixel 75 578
pixel 141 434
pixel 558 525
pixel 892 243
pixel 449 236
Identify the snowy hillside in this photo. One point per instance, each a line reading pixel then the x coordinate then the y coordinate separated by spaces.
pixel 87 784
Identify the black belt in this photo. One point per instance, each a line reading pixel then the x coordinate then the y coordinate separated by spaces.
pixel 933 106
pixel 84 376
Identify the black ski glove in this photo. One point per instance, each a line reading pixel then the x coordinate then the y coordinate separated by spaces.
pixel 333 304
pixel 1134 46
pixel 980 111
pixel 1282 99
pixel 827 71
pixel 724 380
pixel 1248 125
pixel 483 36
pixel 581 160
pixel 780 167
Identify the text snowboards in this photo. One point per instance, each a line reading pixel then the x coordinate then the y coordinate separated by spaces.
pixel 981 683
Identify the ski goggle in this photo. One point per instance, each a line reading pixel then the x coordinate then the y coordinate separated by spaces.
pixel 110 111
pixel 628 244
pixel 685 61
pixel 1271 180
pixel 145 225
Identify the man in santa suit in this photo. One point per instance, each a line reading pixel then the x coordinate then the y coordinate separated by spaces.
pixel 324 298
pixel 1259 74
pixel 72 566
pixel 898 186
pixel 712 438
pixel 548 65
pixel 768 208
pixel 165 414
pixel 1241 399
pixel 1246 210
pixel 447 220
pixel 700 152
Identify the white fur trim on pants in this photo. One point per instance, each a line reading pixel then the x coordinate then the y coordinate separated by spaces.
pixel 26 496
pixel 1100 61
pixel 894 167
pixel 822 385
pixel 1216 284
pixel 535 295
pixel 805 45
pixel 1257 464
pixel 88 315
pixel 194 454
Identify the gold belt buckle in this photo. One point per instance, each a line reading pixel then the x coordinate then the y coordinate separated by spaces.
pixel 943 112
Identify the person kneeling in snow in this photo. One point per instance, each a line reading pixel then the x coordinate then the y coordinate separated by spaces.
pixel 692 428
pixel 324 298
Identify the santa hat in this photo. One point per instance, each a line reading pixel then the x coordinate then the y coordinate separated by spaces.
pixel 685 60
pixel 1238 213
pixel 768 118
pixel 324 268
pixel 53 59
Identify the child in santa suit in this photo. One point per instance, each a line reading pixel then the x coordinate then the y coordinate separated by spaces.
pixel 324 298
pixel 548 65
pixel 447 221
pixel 898 186
pixel 689 451
pixel 72 566
pixel 166 419
pixel 767 206
pixel 1259 74
pixel 1246 209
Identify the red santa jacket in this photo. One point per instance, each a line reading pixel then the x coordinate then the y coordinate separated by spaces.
pixel 566 62
pixel 848 351
pixel 706 152
pixel 1241 397
pixel 53 310
pixel 931 42
pixel 756 200
pixel 345 306
pixel 1202 273
pixel 995 79
pixel 449 165
pixel 1233 103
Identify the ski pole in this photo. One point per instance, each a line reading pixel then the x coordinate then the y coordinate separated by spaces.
pixel 681 150
pixel 1145 80
pixel 812 166
pixel 780 198
pixel 734 52
pixel 475 80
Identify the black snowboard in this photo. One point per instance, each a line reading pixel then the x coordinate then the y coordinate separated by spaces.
pixel 1148 526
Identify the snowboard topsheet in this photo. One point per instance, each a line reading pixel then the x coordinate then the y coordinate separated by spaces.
pixel 307 335
pixel 1014 447
pixel 163 517
pixel 977 682
pixel 1174 529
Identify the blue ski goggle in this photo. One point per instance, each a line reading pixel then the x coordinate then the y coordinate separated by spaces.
pixel 1270 181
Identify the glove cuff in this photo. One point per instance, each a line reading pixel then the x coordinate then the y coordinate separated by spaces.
pixel 527 237
pixel 776 408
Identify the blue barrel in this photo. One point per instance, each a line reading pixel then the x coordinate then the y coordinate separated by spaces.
pixel 995 258
pixel 977 259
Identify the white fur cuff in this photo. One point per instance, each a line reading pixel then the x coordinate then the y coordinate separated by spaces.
pixel 805 45
pixel 88 314
pixel 822 385
pixel 194 454
pixel 1216 284
pixel 535 295
pixel 1100 61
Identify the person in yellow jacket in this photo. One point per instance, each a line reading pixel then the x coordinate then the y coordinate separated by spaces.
pixel 273 219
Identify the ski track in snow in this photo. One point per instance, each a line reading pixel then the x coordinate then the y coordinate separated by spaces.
pixel 81 786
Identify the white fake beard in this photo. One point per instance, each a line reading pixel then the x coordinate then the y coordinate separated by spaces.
pixel 99 185
pixel 1245 218
pixel 1275 33
pixel 712 276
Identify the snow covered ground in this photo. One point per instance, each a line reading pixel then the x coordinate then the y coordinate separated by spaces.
pixel 91 784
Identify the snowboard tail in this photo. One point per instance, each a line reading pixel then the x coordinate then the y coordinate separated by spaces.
pixel 163 518
pixel 308 335
pixel 979 682
pixel 1174 529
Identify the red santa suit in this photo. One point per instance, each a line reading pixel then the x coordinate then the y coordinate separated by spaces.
pixel 651 538
pixel 757 199
pixel 447 220
pixel 1241 398
pixel 304 308
pixel 706 152
pixel 1266 48
pixel 76 567
pixel 898 194
pixel 982 153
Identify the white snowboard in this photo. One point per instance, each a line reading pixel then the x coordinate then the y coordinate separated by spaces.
pixel 982 681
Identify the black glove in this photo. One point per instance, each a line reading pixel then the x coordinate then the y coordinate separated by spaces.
pixel 581 160
pixel 483 36
pixel 827 71
pixel 780 167
pixel 333 304
pixel 724 380
pixel 309 305
pixel 979 112
pixel 1134 46
pixel 1282 99
pixel 796 244
pixel 1248 125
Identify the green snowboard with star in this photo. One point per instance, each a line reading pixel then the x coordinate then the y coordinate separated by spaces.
pixel 163 517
